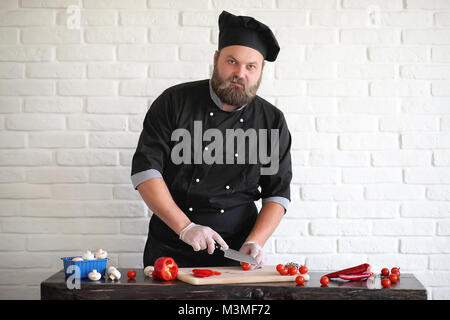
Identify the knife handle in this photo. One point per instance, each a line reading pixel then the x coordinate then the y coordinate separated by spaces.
pixel 217 246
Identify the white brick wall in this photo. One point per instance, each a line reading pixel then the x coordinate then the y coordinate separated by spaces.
pixel 365 86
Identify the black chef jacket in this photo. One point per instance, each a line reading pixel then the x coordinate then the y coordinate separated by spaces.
pixel 220 195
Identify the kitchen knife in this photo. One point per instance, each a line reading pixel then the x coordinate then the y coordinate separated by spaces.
pixel 236 255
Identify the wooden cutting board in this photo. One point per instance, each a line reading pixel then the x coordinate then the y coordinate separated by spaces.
pixel 235 275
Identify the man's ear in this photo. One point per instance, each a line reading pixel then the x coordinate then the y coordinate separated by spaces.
pixel 216 56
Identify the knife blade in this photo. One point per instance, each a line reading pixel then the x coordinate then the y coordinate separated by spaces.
pixel 238 256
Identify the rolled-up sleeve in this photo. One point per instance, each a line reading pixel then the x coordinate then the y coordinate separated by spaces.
pixel 153 149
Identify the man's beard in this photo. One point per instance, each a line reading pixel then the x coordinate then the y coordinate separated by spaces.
pixel 231 94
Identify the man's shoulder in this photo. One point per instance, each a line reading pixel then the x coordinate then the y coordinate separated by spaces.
pixel 187 87
pixel 268 107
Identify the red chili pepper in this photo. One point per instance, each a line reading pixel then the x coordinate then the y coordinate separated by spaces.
pixel 165 268
pixel 356 276
pixel 362 268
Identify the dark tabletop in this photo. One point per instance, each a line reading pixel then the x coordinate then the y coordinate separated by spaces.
pixel 147 288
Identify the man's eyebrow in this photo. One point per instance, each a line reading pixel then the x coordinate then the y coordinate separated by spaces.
pixel 253 62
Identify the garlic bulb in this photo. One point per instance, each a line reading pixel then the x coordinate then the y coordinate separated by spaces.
pixel 100 254
pixel 77 259
pixel 94 275
pixel 87 255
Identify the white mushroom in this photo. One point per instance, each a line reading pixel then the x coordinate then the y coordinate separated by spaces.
pixel 77 259
pixel 148 271
pixel 87 255
pixel 94 275
pixel 100 254
pixel 113 273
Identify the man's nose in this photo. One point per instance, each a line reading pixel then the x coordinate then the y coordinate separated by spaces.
pixel 239 72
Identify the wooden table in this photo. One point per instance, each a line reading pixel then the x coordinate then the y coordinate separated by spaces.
pixel 145 288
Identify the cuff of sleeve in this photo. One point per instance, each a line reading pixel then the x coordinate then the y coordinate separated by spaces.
pixel 280 200
pixel 142 176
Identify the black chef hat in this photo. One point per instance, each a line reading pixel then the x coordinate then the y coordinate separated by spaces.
pixel 249 32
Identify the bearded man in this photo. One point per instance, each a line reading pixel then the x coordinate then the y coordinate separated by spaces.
pixel 198 205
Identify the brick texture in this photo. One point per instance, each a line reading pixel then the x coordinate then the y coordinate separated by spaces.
pixel 364 84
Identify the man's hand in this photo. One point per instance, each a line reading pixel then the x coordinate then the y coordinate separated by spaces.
pixel 255 250
pixel 202 237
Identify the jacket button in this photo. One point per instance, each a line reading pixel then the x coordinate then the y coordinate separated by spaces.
pixel 190 209
pixel 222 211
pixel 241 120
pixel 197 180
pixel 227 187
pixel 211 114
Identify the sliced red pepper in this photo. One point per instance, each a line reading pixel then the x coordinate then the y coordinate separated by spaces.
pixel 362 268
pixel 165 268
pixel 202 275
pixel 204 272
pixel 352 277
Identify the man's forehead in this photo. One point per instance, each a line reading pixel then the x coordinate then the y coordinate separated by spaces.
pixel 242 54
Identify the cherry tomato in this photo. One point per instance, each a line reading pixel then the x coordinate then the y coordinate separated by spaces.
pixel 300 279
pixel 393 277
pixel 324 280
pixel 131 274
pixel 292 271
pixel 386 283
pixel 279 267
pixel 245 266
pixel 385 272
pixel 397 273
pixel 395 269
pixel 284 271
pixel 303 269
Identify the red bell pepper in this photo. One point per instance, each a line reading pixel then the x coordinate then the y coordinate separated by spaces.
pixel 362 268
pixel 353 277
pixel 165 268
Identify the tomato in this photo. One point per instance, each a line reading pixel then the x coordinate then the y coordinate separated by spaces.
pixel 385 272
pixel 292 271
pixel 393 277
pixel 284 271
pixel 303 269
pixel 386 283
pixel 300 279
pixel 245 266
pixel 279 267
pixel 395 269
pixel 397 274
pixel 324 280
pixel 131 274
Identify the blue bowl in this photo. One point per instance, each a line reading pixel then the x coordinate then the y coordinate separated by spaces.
pixel 84 267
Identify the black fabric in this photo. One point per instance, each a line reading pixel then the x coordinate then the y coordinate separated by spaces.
pixel 249 32
pixel 178 107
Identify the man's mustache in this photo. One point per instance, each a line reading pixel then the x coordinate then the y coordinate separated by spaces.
pixel 228 81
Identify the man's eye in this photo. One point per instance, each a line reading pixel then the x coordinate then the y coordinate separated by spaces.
pixel 231 61
pixel 252 66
